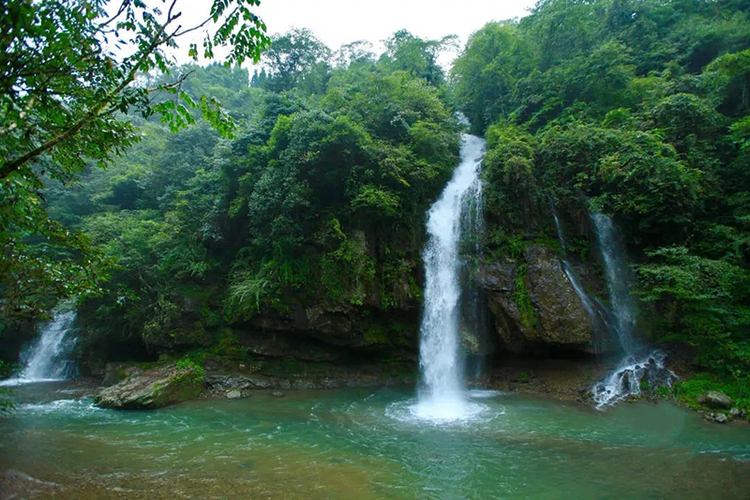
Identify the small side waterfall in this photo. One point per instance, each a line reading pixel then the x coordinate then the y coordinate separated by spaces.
pixel 443 394
pixel 597 312
pixel 46 360
pixel 639 366
pixel 618 280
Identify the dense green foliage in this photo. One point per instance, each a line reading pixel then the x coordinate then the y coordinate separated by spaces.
pixel 689 391
pixel 638 109
pixel 319 199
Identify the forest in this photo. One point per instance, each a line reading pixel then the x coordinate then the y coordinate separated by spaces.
pixel 196 234
pixel 238 263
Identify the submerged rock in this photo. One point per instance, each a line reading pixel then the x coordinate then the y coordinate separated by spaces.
pixel 715 399
pixel 153 388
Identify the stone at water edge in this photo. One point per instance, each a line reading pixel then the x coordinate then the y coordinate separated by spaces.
pixel 235 394
pixel 277 394
pixel 737 413
pixel 719 418
pixel 715 399
pixel 155 388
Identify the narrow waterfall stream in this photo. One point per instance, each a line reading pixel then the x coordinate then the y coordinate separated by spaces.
pixel 443 395
pixel 597 312
pixel 618 280
pixel 639 366
pixel 46 360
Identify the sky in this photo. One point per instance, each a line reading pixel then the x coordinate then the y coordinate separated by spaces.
pixel 337 22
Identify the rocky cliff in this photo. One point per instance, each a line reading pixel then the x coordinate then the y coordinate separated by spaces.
pixel 534 306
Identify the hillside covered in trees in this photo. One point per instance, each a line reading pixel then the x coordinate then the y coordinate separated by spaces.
pixel 300 237
pixel 639 110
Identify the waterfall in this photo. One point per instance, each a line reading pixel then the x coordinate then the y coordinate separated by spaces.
pixel 638 366
pixel 443 395
pixel 46 359
pixel 618 280
pixel 597 312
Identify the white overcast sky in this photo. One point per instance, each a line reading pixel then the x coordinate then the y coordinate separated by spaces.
pixel 336 22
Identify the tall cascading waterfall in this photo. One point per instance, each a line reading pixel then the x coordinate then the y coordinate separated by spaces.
pixel 598 313
pixel 637 363
pixel 46 359
pixel 443 394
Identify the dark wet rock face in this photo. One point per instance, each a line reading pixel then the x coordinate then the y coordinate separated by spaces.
pixel 328 332
pixel 562 319
pixel 153 388
pixel 225 383
pixel 533 304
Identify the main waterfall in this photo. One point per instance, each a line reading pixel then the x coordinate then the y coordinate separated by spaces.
pixel 442 395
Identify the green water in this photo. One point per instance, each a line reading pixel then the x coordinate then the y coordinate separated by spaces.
pixel 364 444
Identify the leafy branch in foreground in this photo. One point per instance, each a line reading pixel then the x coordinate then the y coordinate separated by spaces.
pixel 70 70
pixel 62 77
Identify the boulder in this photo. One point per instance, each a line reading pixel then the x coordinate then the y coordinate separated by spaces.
pixel 720 418
pixel 717 417
pixel 153 388
pixel 234 394
pixel 534 305
pixel 715 399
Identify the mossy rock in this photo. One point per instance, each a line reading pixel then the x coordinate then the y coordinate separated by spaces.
pixel 155 388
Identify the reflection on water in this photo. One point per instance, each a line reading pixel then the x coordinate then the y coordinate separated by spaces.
pixel 351 444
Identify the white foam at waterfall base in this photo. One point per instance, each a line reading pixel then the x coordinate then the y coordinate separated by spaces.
pixel 627 378
pixel 443 395
pixel 443 412
pixel 45 361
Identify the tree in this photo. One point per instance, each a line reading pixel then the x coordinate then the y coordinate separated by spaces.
pixel 406 52
pixel 70 73
pixel 487 72
pixel 293 60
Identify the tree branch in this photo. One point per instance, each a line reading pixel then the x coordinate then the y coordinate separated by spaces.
pixel 11 166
